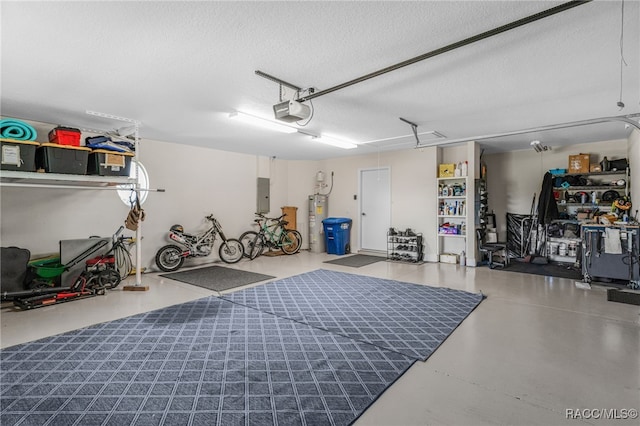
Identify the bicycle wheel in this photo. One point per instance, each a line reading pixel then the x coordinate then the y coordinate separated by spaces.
pixel 169 258
pixel 253 244
pixel 231 251
pixel 290 241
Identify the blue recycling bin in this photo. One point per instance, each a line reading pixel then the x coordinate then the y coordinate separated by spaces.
pixel 337 234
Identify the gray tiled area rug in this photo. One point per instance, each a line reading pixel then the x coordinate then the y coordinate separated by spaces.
pixel 207 362
pixel 407 318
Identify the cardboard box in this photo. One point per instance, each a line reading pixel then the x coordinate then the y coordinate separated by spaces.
pixel 446 170
pixel 595 168
pixel 579 163
pixel 449 258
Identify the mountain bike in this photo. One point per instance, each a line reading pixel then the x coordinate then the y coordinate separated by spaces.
pixel 272 234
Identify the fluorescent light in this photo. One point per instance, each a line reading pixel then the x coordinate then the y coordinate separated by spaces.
pixel 261 122
pixel 334 142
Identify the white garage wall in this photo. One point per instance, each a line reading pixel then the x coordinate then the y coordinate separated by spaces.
pixel 198 181
pixel 513 177
pixel 413 189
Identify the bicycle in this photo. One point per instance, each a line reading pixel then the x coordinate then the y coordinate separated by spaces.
pixel 272 234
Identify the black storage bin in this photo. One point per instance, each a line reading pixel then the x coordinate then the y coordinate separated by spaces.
pixel 18 155
pixel 109 163
pixel 15 262
pixel 54 158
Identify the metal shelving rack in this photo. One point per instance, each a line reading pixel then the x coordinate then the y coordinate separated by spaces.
pixel 572 255
pixel 71 181
pixel 405 247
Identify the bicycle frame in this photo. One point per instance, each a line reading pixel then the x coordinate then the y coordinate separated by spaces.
pixel 272 231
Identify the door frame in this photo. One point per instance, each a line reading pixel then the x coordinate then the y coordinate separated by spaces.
pixel 360 171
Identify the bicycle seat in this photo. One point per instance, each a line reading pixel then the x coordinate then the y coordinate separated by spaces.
pixel 257 220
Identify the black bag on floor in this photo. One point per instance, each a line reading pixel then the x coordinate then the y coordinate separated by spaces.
pixel 14 261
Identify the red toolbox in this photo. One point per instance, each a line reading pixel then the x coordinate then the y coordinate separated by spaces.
pixel 65 136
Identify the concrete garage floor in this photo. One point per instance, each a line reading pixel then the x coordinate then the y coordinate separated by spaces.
pixel 535 348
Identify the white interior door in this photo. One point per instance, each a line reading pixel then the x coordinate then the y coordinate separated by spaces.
pixel 375 208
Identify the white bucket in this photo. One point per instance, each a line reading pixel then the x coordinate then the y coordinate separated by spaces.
pixel 562 250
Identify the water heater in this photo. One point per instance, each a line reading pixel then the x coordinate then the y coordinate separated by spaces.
pixel 317 213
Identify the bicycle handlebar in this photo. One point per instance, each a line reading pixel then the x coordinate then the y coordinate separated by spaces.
pixel 270 218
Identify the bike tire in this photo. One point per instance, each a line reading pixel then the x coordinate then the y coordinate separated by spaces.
pixel 169 258
pixel 231 251
pixel 290 241
pixel 253 244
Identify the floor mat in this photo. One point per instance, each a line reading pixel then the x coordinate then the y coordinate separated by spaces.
pixel 549 269
pixel 217 278
pixel 407 318
pixel 356 261
pixel 205 362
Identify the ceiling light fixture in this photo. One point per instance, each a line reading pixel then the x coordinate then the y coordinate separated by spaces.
pixel 261 122
pixel 538 147
pixel 334 142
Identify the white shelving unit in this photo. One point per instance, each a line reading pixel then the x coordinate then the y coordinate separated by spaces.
pixel 71 181
pixel 453 209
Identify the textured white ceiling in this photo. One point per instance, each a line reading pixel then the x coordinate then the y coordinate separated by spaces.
pixel 182 67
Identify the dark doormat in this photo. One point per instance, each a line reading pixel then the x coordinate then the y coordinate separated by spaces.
pixel 217 278
pixel 549 270
pixel 615 295
pixel 356 261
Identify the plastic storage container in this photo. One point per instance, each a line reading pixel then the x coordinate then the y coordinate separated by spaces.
pixel 109 163
pixel 55 158
pixel 65 136
pixel 18 155
pixel 337 233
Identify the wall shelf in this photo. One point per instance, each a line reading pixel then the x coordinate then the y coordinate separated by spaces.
pixel 611 172
pixel 13 178
pixel 590 187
